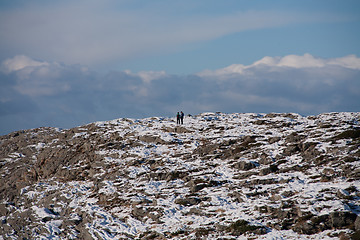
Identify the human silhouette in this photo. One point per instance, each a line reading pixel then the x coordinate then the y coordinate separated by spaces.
pixel 178 118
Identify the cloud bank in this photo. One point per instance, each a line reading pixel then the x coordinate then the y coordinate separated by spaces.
pixel 37 93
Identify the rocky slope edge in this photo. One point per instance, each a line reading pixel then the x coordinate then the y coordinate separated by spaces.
pixel 218 176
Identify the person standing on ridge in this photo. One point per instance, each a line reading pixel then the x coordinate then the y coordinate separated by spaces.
pixel 182 117
pixel 178 118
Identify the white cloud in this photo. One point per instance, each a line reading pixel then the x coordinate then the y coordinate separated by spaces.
pixel 147 76
pixel 36 78
pixel 295 61
pixel 20 62
pixel 351 61
pixel 66 95
pixel 289 61
pixel 309 61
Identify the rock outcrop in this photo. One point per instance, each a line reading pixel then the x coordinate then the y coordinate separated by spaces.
pixel 218 176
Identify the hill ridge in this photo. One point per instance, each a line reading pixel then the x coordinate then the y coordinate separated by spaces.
pixel 217 176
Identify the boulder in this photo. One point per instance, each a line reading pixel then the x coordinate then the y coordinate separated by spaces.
pixel 244 165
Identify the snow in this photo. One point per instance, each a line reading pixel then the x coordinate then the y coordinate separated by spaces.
pixel 119 222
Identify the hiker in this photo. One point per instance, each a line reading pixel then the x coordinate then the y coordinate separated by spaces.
pixel 178 118
pixel 182 117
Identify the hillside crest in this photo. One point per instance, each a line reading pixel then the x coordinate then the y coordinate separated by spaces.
pixel 217 176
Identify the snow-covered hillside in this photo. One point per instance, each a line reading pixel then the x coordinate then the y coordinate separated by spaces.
pixel 217 176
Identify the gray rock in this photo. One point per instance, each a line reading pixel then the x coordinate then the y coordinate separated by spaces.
pixel 244 166
pixel 139 212
pixel 342 219
pixel 265 171
pixel 188 201
pixel 357 223
pixel 272 140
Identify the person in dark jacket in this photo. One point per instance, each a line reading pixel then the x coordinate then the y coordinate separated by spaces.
pixel 178 118
pixel 182 117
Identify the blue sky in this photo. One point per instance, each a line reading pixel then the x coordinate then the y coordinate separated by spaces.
pixel 66 63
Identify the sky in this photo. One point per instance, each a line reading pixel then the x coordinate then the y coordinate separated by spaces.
pixel 68 63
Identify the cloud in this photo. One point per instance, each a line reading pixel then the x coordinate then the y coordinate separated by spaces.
pixel 148 76
pixel 40 78
pixel 37 93
pixel 20 62
pixel 98 32
pixel 303 84
pixel 289 61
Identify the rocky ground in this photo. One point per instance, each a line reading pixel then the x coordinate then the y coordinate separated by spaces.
pixel 218 176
